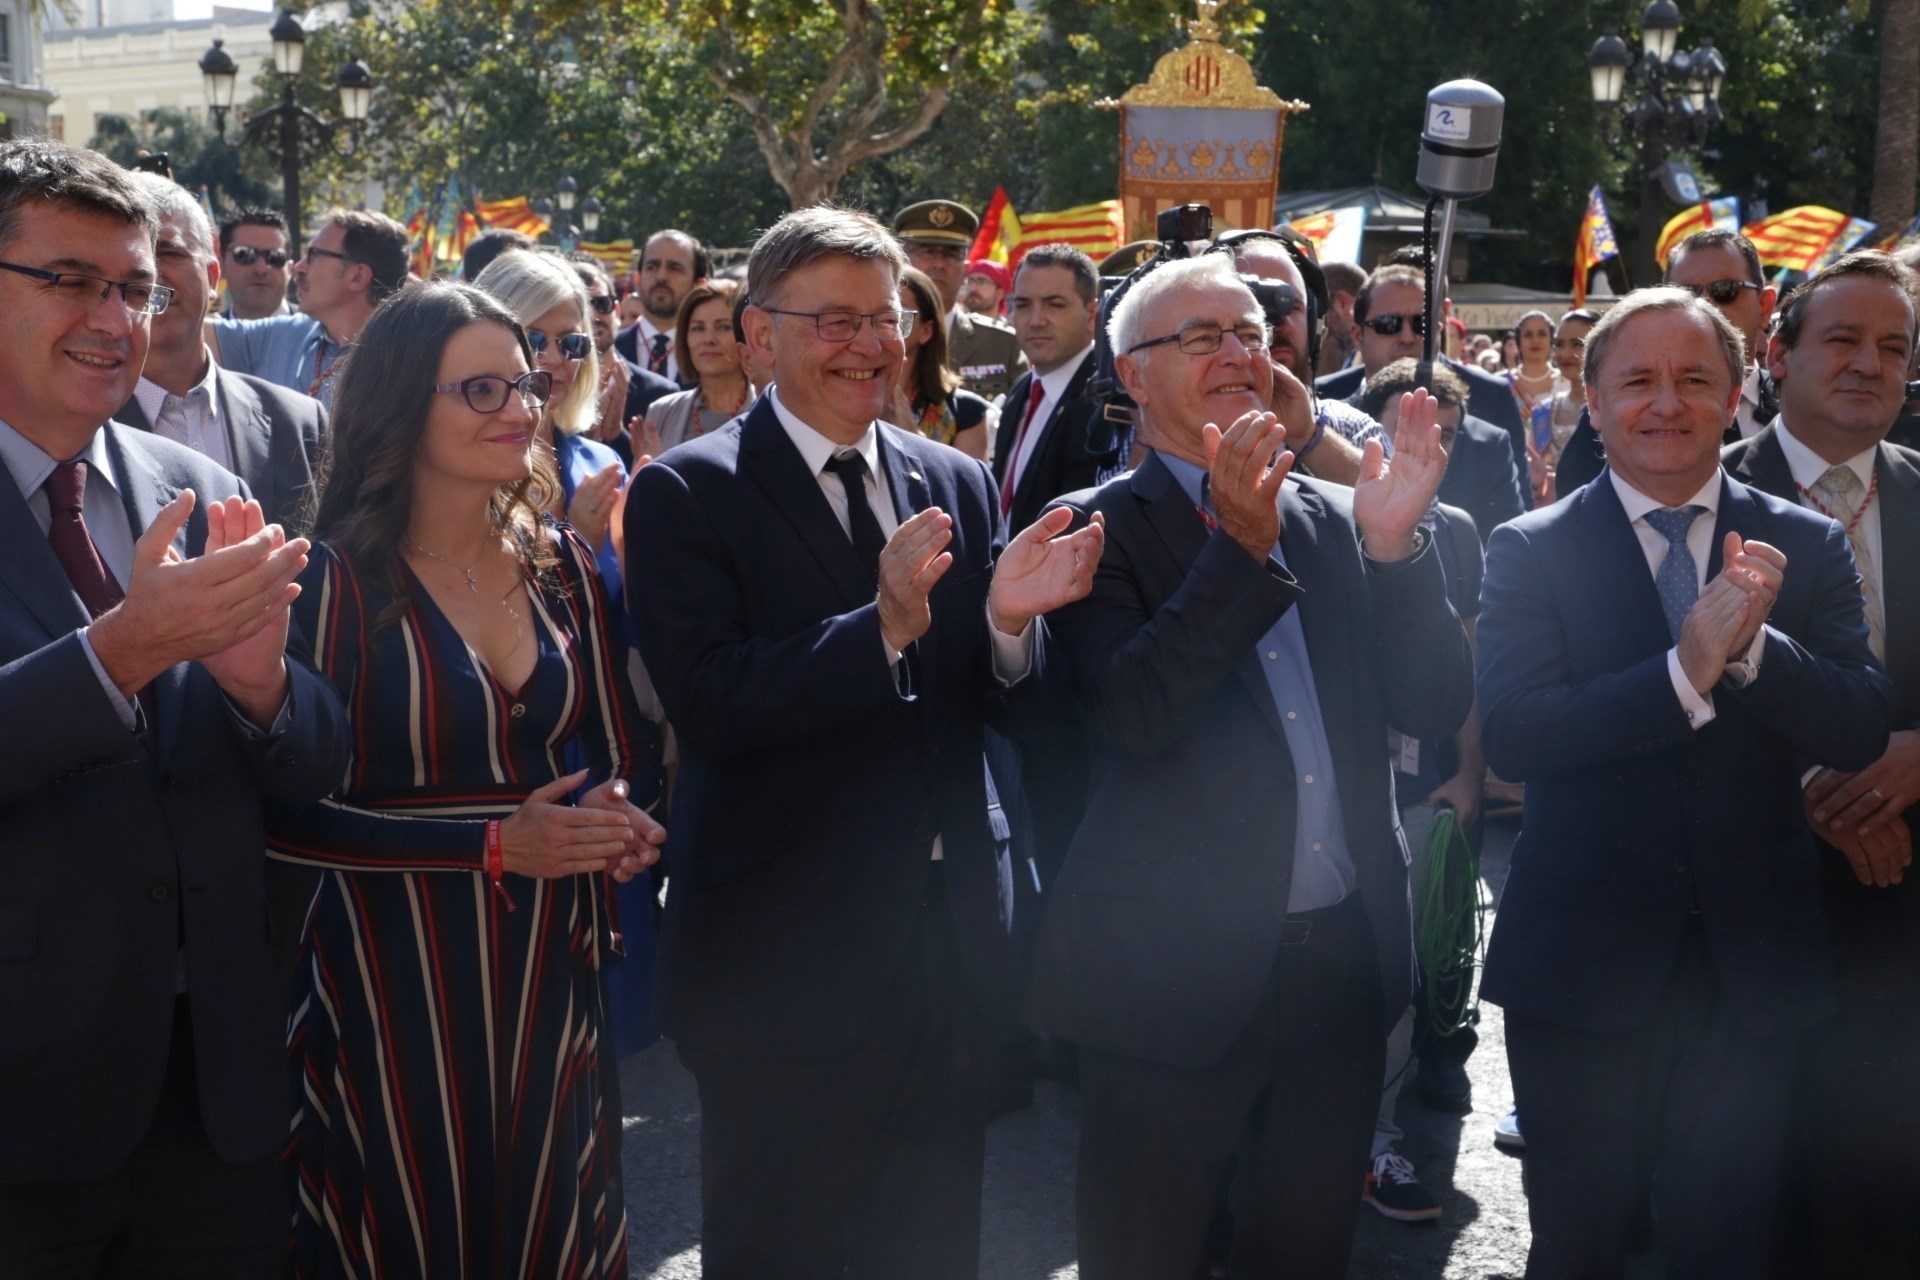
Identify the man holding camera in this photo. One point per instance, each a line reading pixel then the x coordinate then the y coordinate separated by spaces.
pixel 1202 916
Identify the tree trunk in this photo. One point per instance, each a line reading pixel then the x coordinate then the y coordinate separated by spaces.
pixel 1896 158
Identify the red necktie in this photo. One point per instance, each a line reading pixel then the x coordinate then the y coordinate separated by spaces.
pixel 1034 398
pixel 72 545
pixel 657 358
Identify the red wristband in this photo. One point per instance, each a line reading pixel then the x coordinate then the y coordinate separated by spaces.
pixel 496 856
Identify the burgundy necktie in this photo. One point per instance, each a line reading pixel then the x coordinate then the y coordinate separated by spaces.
pixel 1034 398
pixel 657 358
pixel 73 545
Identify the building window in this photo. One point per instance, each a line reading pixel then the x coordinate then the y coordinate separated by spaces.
pixel 6 39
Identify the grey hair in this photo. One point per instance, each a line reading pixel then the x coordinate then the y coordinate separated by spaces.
pixel 171 201
pixel 1129 318
pixel 529 285
pixel 1664 298
pixel 805 236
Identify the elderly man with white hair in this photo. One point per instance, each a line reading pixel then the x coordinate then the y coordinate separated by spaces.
pixel 1228 940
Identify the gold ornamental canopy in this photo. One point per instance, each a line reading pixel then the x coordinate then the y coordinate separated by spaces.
pixel 1202 130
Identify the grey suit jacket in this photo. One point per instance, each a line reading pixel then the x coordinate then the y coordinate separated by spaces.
pixel 276 436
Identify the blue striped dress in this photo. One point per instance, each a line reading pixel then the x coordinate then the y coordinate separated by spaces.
pixel 456 1100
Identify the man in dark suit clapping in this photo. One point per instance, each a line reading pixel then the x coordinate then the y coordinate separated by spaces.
pixel 1228 941
pixel 831 613
pixel 1839 360
pixel 1660 658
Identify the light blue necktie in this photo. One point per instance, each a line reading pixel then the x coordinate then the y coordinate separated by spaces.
pixel 1678 580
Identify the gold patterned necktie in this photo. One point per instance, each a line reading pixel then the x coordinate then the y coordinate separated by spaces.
pixel 1845 498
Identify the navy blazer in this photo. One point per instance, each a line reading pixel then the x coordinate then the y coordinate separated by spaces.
pixel 1063 459
pixel 1633 817
pixel 1489 399
pixel 1161 934
pixel 109 840
pixel 810 788
pixel 1480 477
pixel 276 437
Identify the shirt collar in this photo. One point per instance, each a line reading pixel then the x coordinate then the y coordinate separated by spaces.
pixel 30 466
pixel 1807 466
pixel 1750 386
pixel 1637 504
pixel 815 448
pixel 1189 477
pixel 151 395
pixel 1055 383
pixel 647 328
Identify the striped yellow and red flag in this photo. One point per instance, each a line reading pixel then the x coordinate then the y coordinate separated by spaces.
pixel 514 214
pixel 999 231
pixel 1796 238
pixel 615 255
pixel 1709 214
pixel 1593 246
pixel 1094 229
pixel 466 229
pixel 420 235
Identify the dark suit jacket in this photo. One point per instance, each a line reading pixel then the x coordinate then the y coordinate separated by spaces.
pixel 1480 478
pixel 1632 816
pixel 110 839
pixel 1489 399
pixel 1061 461
pixel 643 388
pixel 810 789
pixel 276 436
pixel 1876 931
pixel 1161 934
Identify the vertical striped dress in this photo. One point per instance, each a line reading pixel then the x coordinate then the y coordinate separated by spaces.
pixel 456 1101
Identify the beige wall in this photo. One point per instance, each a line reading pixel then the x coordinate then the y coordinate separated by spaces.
pixel 135 69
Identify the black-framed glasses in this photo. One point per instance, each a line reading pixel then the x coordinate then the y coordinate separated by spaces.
pixel 1199 338
pixel 488 392
pixel 142 297
pixel 1390 326
pixel 314 251
pixel 601 302
pixel 1721 292
pixel 246 255
pixel 843 326
pixel 572 346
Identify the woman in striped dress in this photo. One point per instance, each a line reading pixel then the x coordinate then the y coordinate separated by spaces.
pixel 456 1106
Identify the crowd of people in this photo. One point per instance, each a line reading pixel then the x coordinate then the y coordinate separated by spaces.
pixel 894 678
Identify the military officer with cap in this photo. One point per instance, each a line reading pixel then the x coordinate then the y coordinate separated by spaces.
pixel 982 350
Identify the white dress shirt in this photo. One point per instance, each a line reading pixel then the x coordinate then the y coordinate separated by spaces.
pixel 1807 468
pixel 1749 407
pixel 1012 655
pixel 192 420
pixel 1054 385
pixel 643 349
pixel 1698 706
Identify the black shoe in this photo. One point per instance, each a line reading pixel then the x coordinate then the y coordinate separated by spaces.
pixel 1393 1190
pixel 1444 1086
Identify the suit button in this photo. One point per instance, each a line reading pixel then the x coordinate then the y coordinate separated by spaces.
pixel 517 710
pixel 160 891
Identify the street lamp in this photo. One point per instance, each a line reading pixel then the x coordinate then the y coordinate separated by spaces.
pixel 353 81
pixel 1667 99
pixel 590 215
pixel 566 193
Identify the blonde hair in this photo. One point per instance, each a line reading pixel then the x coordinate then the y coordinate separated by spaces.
pixel 530 284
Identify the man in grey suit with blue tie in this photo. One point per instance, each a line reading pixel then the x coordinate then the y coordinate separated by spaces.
pixel 153 696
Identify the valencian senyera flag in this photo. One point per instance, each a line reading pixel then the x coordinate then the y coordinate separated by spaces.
pixel 1723 214
pixel 1795 239
pixel 1594 246
pixel 1005 236
pixel 1335 233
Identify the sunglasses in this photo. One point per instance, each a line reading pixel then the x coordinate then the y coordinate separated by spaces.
pixel 488 392
pixel 1720 292
pixel 246 255
pixel 573 346
pixel 602 303
pixel 1389 326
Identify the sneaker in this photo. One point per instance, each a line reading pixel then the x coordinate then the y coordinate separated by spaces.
pixel 1444 1086
pixel 1506 1132
pixel 1394 1192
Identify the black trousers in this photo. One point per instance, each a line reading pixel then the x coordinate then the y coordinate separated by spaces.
pixel 1289 1110
pixel 175 1211
pixel 1683 1120
pixel 864 1167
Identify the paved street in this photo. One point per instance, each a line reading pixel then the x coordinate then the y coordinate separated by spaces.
pixel 1028 1228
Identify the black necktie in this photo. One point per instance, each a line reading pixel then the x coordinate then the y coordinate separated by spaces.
pixel 868 541
pixel 657 359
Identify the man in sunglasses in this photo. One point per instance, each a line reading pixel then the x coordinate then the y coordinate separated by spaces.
pixel 626 389
pixel 254 262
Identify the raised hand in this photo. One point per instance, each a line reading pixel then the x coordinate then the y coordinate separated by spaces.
pixel 1246 465
pixel 911 562
pixel 1392 497
pixel 1044 568
pixel 1759 570
pixel 593 503
pixel 1708 632
pixel 252 671
pixel 547 838
pixel 1292 403
pixel 644 436
pixel 648 835
pixel 179 610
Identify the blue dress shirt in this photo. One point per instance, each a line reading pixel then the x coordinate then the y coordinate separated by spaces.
pixel 292 351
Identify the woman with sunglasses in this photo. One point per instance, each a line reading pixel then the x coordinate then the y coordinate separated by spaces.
pixel 456 1103
pixel 928 398
pixel 703 329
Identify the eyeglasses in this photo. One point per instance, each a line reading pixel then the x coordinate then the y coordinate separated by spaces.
pixel 843 326
pixel 572 346
pixel 601 302
pixel 246 255
pixel 1720 292
pixel 1389 326
pixel 1201 339
pixel 142 298
pixel 313 252
pixel 488 392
